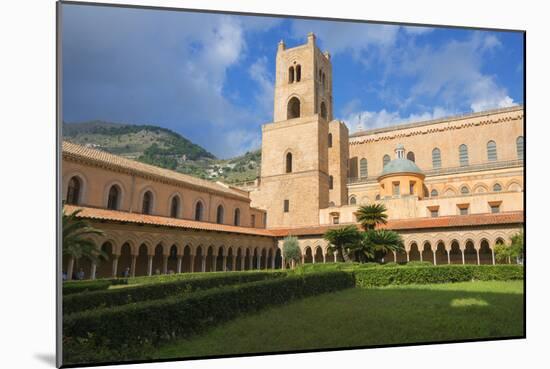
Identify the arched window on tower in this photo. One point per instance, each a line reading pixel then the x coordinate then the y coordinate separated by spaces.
pixel 147 202
pixel 491 151
pixel 293 108
pixel 363 168
pixel 237 217
pixel 463 155
pixel 298 73
pixel 330 140
pixel 436 158
pixel 323 80
pixel 73 191
pixel 323 110
pixel 175 207
pixel 434 193
pixel 198 210
pixel 291 75
pixel 113 198
pixel 288 163
pixel 410 156
pixel 330 182
pixel 519 147
pixel 385 160
pixel 352 200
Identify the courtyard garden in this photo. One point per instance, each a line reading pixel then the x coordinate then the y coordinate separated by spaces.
pixel 313 306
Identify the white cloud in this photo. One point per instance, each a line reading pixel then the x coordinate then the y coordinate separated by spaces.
pixel 259 72
pixel 363 120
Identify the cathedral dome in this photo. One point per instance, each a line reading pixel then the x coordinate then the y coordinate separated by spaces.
pixel 400 165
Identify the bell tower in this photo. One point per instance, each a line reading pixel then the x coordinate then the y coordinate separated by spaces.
pixel 294 181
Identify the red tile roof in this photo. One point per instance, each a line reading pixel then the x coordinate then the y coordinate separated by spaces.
pixel 154 220
pixel 417 223
pixel 105 159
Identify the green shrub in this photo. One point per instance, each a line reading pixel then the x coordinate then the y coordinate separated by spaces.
pixel 151 322
pixel 435 274
pixel 72 287
pixel 416 263
pixel 160 290
pixel 391 264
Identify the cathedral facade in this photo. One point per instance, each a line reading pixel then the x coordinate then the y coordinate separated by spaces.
pixel 453 187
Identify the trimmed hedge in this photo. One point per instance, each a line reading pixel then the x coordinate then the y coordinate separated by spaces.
pixel 370 277
pixel 160 290
pixel 181 316
pixel 85 286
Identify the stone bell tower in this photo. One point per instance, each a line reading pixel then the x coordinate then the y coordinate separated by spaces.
pixel 294 181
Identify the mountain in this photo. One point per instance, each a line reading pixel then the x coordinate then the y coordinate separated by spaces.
pixel 162 147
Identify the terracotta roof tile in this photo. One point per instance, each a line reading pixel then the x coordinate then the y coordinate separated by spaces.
pixel 136 218
pixel 71 150
pixel 417 223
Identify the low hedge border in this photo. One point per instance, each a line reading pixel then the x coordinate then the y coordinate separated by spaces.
pixel 373 277
pixel 181 316
pixel 73 287
pixel 114 297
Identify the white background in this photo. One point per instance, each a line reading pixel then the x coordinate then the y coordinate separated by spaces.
pixel 27 206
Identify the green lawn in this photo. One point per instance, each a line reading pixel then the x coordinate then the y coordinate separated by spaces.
pixel 362 317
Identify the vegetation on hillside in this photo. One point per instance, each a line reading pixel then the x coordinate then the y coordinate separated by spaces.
pixel 164 148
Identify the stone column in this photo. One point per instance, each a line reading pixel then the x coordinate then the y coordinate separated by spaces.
pixel 394 256
pixel 93 270
pixel 493 256
pixel 324 258
pixel 224 266
pixel 421 258
pixel 149 265
pixel 192 266
pixel 283 266
pixel 313 258
pixel 335 256
pixel 234 263
pixel 133 267
pixel 408 257
pixel 273 261
pixel 180 258
pixel 435 259
pixel 203 263
pixel 303 259
pixel 164 264
pixel 214 262
pixel 463 260
pixel 115 265
pixel 251 262
pixel 448 256
pixel 477 254
pixel 259 262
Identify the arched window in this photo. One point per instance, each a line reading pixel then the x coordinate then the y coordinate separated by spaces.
pixel 219 214
pixel 323 110
pixel 291 75
pixel 298 73
pixel 464 190
pixel 147 202
pixel 436 158
pixel 320 75
pixel 377 197
pixel 113 198
pixel 434 193
pixel 330 182
pixel 73 191
pixel 330 140
pixel 288 162
pixel 198 210
pixel 363 168
pixel 237 217
pixel 323 80
pixel 410 156
pixel 497 187
pixel 385 160
pixel 519 147
pixel 463 155
pixel 293 109
pixel 175 207
pixel 352 200
pixel 491 150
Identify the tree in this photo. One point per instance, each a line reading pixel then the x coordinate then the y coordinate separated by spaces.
pixel 372 215
pixel 514 250
pixel 374 244
pixel 76 243
pixel 291 250
pixel 343 239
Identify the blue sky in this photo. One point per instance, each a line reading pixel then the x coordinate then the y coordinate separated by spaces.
pixel 210 77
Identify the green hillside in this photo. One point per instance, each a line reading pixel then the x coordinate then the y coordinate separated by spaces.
pixel 162 147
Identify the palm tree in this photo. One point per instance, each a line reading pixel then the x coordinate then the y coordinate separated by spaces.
pixel 75 242
pixel 372 215
pixel 376 243
pixel 342 240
